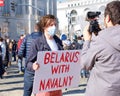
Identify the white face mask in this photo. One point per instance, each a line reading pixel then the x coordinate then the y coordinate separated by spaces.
pixel 80 42
pixel 52 30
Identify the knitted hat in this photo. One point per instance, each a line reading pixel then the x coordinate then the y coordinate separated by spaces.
pixel 63 37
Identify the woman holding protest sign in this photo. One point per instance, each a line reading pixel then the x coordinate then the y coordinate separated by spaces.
pixel 47 42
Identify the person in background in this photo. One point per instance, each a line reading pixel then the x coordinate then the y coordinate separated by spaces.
pixel 2 44
pixel 24 51
pixel 80 41
pixel 1 65
pixel 66 42
pixel 6 61
pixel 10 44
pixel 3 50
pixel 7 42
pixel 19 58
pixel 47 42
pixel 83 73
pixel 75 45
pixel 63 37
pixel 14 49
pixel 101 55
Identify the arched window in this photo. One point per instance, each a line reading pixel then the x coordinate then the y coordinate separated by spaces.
pixel 86 9
pixel 73 14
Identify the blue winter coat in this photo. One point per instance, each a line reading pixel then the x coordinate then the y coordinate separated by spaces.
pixel 26 44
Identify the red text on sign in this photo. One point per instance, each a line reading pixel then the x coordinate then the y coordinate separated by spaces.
pixel 55 83
pixel 60 69
pixel 53 57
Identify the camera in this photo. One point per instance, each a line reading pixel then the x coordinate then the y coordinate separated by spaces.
pixel 94 25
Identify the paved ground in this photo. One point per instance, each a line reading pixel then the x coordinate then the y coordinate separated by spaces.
pixel 12 84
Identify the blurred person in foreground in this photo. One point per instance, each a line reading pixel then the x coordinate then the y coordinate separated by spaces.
pixel 24 52
pixel 101 55
pixel 47 42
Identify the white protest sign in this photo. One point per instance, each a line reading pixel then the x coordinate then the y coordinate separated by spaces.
pixel 58 69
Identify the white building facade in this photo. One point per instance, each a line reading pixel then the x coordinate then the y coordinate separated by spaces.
pixel 72 13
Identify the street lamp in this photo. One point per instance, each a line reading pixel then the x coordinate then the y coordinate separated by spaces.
pixel 68 15
pixel 29 16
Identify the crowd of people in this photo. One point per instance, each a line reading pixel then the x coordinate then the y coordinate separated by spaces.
pixel 8 49
pixel 100 54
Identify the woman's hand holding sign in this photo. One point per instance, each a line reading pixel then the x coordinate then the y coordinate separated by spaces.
pixel 35 65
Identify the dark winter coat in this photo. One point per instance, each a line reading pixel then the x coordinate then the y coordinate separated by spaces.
pixel 1 64
pixel 75 46
pixel 40 44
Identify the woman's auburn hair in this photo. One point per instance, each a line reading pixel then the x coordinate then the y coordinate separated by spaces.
pixel 45 21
